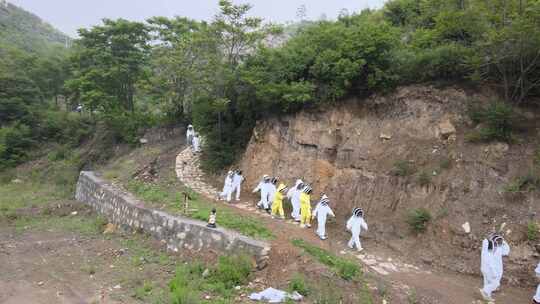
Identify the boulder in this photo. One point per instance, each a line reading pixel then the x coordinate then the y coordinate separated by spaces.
pixel 446 129
pixel 384 136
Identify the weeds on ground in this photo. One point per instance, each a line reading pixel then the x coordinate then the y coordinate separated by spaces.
pixel 418 219
pixel 402 168
pixel 142 292
pixel 171 198
pixel 345 268
pixel 532 231
pixel 445 163
pixel 190 281
pixel 299 284
pixel 523 183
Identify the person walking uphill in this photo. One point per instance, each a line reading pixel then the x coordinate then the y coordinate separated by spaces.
pixel 294 196
pixel 305 207
pixel 264 188
pixel 321 212
pixel 227 187
pixel 277 204
pixel 355 225
pixel 190 133
pixel 238 179
pixel 494 247
pixel 536 298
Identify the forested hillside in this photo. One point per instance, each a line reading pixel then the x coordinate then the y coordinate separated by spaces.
pixel 27 31
pixel 223 75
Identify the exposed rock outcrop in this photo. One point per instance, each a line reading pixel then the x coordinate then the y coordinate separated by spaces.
pixel 342 152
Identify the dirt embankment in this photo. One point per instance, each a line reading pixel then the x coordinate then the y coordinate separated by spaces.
pixel 350 151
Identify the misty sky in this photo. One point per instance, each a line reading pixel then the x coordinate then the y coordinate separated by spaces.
pixel 69 15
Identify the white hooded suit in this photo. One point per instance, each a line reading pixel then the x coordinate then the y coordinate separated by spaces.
pixel 492 265
pixel 321 212
pixel 355 225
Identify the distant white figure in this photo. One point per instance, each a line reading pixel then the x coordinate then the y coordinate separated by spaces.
pixel 79 108
pixel 196 143
pixel 536 298
pixel 321 212
pixel 294 196
pixel 190 133
pixel 494 247
pixel 238 179
pixel 227 187
pixel 264 188
pixel 355 225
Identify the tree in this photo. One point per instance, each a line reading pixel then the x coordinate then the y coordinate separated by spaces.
pixel 108 61
pixel 509 56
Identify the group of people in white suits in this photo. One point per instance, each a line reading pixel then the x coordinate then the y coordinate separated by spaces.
pixel 299 196
pixel 233 183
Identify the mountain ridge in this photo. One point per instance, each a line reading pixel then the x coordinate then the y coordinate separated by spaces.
pixel 26 30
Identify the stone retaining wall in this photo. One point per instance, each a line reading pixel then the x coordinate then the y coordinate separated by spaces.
pixel 126 211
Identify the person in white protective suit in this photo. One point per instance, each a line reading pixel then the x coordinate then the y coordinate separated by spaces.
pixel 264 188
pixel 238 179
pixel 321 212
pixel 355 225
pixel 536 298
pixel 196 143
pixel 190 133
pixel 294 197
pixel 494 247
pixel 227 187
pixel 272 189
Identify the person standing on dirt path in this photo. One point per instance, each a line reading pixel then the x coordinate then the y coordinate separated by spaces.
pixel 536 298
pixel 277 204
pixel 305 207
pixel 263 187
pixel 294 197
pixel 321 212
pixel 355 224
pixel 227 187
pixel 272 190
pixel 238 179
pixel 494 247
pixel 196 143
pixel 190 133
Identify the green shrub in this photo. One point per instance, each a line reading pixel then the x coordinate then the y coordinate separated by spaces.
pixel 184 287
pixel 523 183
pixel 532 231
pixel 418 219
pixel 424 179
pixel 497 119
pixel 298 283
pixel 232 271
pixel 445 163
pixel 15 142
pixel 346 269
pixel 402 168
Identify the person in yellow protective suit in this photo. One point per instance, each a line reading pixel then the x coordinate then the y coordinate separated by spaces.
pixel 305 207
pixel 277 204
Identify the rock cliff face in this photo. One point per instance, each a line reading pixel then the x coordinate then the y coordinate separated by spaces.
pixel 390 154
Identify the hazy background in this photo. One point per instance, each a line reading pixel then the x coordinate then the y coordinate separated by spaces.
pixel 69 15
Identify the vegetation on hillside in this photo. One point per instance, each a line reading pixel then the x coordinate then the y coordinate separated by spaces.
pixel 27 31
pixel 225 74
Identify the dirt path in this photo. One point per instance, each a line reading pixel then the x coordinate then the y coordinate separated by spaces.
pixel 430 286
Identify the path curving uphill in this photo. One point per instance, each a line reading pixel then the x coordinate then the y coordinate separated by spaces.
pixel 436 286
